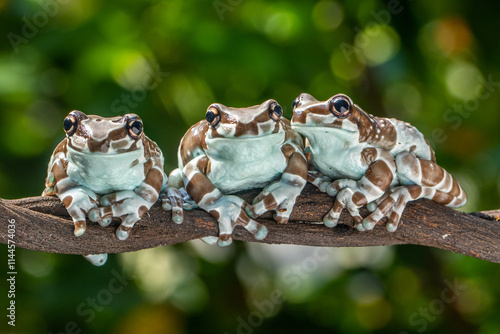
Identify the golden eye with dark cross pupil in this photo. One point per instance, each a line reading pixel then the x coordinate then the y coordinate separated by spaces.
pixel 135 128
pixel 212 116
pixel 70 125
pixel 275 111
pixel 340 106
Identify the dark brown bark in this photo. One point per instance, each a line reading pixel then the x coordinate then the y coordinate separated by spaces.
pixel 43 224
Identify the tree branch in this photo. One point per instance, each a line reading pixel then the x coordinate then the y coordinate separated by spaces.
pixel 43 224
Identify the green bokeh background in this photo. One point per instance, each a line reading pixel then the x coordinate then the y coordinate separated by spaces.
pixel 433 64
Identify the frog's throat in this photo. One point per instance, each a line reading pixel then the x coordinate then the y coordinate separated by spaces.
pixel 75 155
pixel 244 149
pixel 104 173
pixel 326 136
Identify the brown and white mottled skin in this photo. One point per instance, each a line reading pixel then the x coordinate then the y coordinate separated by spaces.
pixel 236 149
pixel 105 168
pixel 362 159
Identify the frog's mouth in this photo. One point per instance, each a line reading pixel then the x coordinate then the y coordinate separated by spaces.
pixel 105 148
pixel 244 149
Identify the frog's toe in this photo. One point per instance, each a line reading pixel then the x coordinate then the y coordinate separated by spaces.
pixel 166 205
pixel 390 227
pixel 94 215
pixel 393 222
pixel 261 233
pixel 188 206
pixel 368 224
pixel 211 240
pixel 97 259
pixel 332 189
pixel 249 210
pixel 372 206
pixel 360 227
pixel 177 215
pixel 224 240
pixel 122 233
pixel 330 221
pixel 105 221
pixel 80 227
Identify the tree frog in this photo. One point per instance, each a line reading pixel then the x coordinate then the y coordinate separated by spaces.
pixel 105 168
pixel 362 159
pixel 236 149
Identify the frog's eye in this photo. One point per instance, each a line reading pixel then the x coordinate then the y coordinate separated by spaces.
pixel 275 111
pixel 341 106
pixel 212 116
pixel 134 128
pixel 70 125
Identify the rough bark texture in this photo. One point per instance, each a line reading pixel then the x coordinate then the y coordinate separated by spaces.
pixel 43 224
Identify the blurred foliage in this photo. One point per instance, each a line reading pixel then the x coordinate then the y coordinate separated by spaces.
pixel 432 63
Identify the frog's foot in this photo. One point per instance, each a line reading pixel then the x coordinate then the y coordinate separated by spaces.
pixel 176 200
pixel 393 203
pixel 334 187
pixel 229 211
pixel 279 196
pixel 390 206
pixel 97 259
pixel 320 180
pixel 344 199
pixel 79 202
pixel 126 205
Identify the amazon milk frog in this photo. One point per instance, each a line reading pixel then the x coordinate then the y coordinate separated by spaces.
pixel 105 168
pixel 236 149
pixel 362 159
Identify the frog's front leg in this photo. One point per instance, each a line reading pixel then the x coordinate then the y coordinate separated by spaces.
pixel 175 198
pixel 78 200
pixel 281 195
pixel 421 179
pixel 131 205
pixel 229 210
pixel 354 194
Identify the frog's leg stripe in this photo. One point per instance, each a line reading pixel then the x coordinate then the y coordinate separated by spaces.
pixel 228 210
pixel 430 180
pixel 320 180
pixel 130 206
pixel 282 194
pixel 354 194
pixel 77 200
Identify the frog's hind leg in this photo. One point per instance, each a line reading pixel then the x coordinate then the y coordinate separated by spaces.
pixel 372 185
pixel 229 210
pixel 425 179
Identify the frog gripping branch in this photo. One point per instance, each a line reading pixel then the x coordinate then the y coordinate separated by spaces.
pixel 105 168
pixel 362 159
pixel 237 149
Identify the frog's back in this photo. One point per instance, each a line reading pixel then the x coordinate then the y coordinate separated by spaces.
pixel 409 138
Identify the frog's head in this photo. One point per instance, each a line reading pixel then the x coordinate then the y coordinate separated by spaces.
pixel 336 112
pixel 256 121
pixel 108 135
